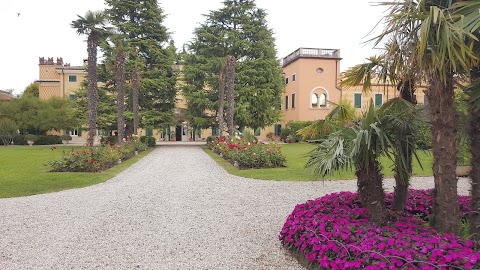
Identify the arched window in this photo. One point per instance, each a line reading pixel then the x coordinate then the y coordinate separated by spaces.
pixel 319 98
pixel 314 100
pixel 322 100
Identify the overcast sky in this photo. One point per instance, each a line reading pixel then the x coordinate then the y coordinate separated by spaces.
pixel 31 28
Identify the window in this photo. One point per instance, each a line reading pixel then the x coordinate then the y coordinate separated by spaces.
pixel 72 78
pixel 314 100
pixel 149 132
pixel 322 100
pixel 357 100
pixel 72 96
pixel 286 80
pixel 294 77
pixel 257 132
pixel 215 131
pixel 286 102
pixel 378 100
pixel 293 101
pixel 278 129
pixel 74 132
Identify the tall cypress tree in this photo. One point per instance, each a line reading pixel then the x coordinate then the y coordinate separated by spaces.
pixel 238 29
pixel 141 22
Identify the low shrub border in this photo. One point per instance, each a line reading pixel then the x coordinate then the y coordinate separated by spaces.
pixel 248 155
pixel 332 232
pixel 101 158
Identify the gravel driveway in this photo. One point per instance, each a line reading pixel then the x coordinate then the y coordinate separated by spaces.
pixel 174 209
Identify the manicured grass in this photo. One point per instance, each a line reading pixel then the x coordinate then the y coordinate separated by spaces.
pixel 23 173
pixel 297 157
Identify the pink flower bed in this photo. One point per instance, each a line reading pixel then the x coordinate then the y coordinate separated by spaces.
pixel 332 232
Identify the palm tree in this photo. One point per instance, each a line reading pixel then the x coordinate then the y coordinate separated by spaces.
pixel 358 145
pixel 436 45
pixel 91 25
pixel 469 10
pixel 386 69
pixel 119 67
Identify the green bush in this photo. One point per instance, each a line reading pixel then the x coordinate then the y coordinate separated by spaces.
pixel 148 140
pixel 31 137
pixel 112 140
pixel 284 133
pixel 19 140
pixel 296 126
pixel 66 137
pixel 48 140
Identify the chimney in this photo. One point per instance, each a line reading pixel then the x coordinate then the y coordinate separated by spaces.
pixel 59 61
pixel 50 61
pixel 41 60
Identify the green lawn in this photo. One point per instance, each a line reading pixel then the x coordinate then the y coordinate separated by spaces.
pixel 297 157
pixel 23 173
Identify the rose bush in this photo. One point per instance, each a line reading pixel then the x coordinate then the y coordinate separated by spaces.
pixel 102 158
pixel 248 154
pixel 332 232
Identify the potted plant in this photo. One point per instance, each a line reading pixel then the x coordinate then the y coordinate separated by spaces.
pixel 65 138
pixel 30 139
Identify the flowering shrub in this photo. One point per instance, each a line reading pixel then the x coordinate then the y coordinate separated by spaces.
pixel 248 154
pixel 102 158
pixel 332 232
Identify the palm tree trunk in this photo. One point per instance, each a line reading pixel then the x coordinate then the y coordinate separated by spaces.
pixel 135 96
pixel 221 101
pixel 120 85
pixel 407 92
pixel 442 113
pixel 92 44
pixel 230 66
pixel 371 194
pixel 474 133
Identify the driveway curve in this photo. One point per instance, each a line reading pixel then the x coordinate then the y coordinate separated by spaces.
pixel 174 209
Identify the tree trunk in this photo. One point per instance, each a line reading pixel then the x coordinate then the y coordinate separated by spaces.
pixel 135 96
pixel 120 87
pixel 221 101
pixel 92 44
pixel 370 192
pixel 400 195
pixel 442 113
pixel 230 66
pixel 474 134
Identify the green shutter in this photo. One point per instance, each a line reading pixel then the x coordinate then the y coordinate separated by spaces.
pixel 149 132
pixel 378 100
pixel 357 100
pixel 215 131
pixel 278 129
pixel 257 132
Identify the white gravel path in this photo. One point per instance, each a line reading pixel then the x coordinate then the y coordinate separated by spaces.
pixel 174 209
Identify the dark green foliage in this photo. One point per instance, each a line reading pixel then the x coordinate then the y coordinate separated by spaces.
pixel 32 90
pixel 39 116
pixel 8 130
pixel 148 140
pixel 141 25
pixel 109 140
pixel 296 126
pixel 238 29
pixel 40 140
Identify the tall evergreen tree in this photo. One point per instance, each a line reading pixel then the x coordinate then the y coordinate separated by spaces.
pixel 141 22
pixel 238 29
pixel 120 87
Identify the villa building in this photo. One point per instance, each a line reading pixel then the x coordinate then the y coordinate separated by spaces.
pixel 312 87
pixel 6 95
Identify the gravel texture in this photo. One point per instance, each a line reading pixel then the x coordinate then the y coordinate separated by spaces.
pixel 174 209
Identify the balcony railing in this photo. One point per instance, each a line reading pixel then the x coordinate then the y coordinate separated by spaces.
pixel 311 52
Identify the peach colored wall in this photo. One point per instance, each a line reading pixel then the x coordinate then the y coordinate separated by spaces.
pixel 307 80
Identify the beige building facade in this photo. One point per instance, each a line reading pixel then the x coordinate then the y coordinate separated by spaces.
pixel 312 87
